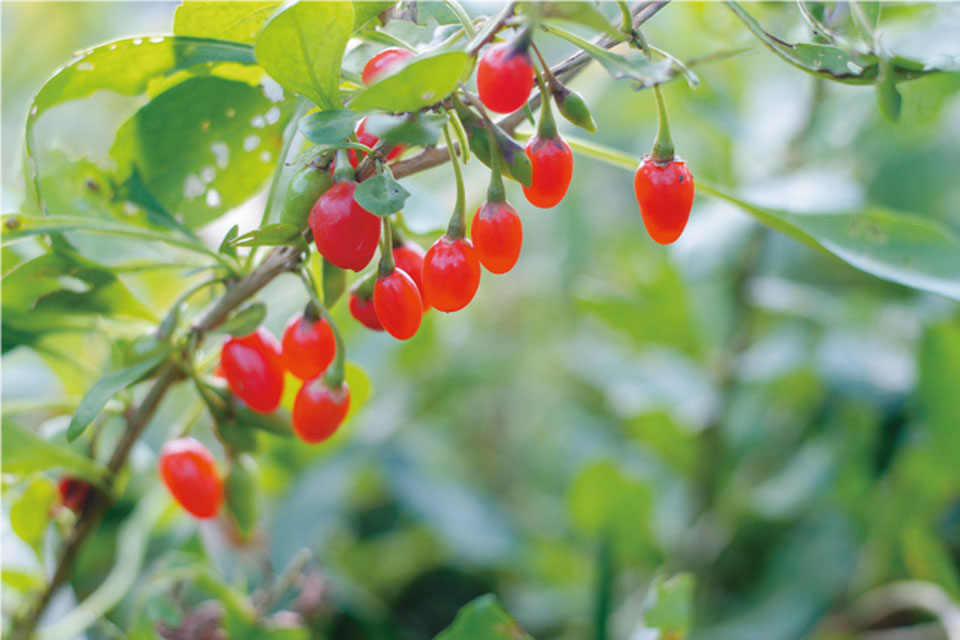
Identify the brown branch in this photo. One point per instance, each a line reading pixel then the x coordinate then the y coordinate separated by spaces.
pixel 279 260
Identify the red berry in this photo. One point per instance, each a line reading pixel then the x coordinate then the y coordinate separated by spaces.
pixel 497 236
pixel 409 257
pixel 451 274
pixel 73 492
pixel 364 312
pixel 364 137
pixel 398 304
pixel 190 473
pixel 384 63
pixel 552 169
pixel 504 78
pixel 253 367
pixel 319 410
pixel 308 346
pixel 346 234
pixel 665 195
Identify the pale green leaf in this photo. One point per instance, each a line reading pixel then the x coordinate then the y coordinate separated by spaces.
pixel 25 452
pixel 224 20
pixel 424 81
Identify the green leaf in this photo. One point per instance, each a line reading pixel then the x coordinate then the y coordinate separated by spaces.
pixel 636 67
pixel 334 283
pixel 203 146
pixel 423 131
pixel 269 422
pixel 243 494
pixel 835 63
pixel 888 98
pixel 367 10
pixel 270 235
pixel 302 47
pixel 584 13
pixel 107 387
pixel 225 244
pixel 424 81
pixel 483 618
pixel 938 364
pixel 25 452
pixel 361 387
pixel 227 20
pixel 246 320
pixel 329 127
pixel 30 513
pixel 381 195
pixel 668 605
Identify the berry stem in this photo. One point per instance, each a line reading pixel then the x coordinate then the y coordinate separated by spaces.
pixel 458 221
pixel 336 372
pixel 547 127
pixel 386 250
pixel 344 170
pixel 496 191
pixel 662 152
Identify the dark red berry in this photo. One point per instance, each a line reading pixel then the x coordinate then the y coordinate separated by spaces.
pixel 504 77
pixel 363 311
pixel 451 274
pixel 497 236
pixel 552 167
pixel 190 473
pixel 346 234
pixel 319 410
pixel 253 367
pixel 73 492
pixel 409 257
pixel 665 195
pixel 398 304
pixel 384 63
pixel 308 346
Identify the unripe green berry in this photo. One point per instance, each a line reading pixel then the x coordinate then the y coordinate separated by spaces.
pixel 306 185
pixel 574 108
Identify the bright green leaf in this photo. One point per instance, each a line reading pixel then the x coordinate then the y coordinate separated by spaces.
pixel 225 20
pixel 424 81
pixel 367 10
pixel 302 46
pixel 668 605
pixel 483 618
pixel 24 452
pixel 30 513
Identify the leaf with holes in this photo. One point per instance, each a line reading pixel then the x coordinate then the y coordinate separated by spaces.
pixel 425 81
pixel 224 20
pixel 381 195
pixel 203 146
pixel 302 47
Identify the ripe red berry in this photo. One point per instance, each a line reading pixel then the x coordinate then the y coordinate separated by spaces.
pixel 451 274
pixel 367 138
pixel 319 410
pixel 552 168
pixel 253 367
pixel 497 236
pixel 665 195
pixel 409 257
pixel 384 63
pixel 190 473
pixel 308 346
pixel 363 311
pixel 346 234
pixel 73 492
pixel 504 77
pixel 398 304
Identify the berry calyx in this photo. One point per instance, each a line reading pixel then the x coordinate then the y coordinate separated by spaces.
pixel 189 471
pixel 346 234
pixel 253 367
pixel 497 235
pixel 451 273
pixel 308 346
pixel 73 492
pixel 397 302
pixel 384 63
pixel 409 257
pixel 319 410
pixel 363 311
pixel 552 163
pixel 665 194
pixel 505 76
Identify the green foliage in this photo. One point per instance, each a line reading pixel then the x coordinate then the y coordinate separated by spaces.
pixel 25 452
pixel 484 618
pixel 381 195
pixel 668 605
pixel 424 81
pixel 225 20
pixel 29 514
pixel 246 320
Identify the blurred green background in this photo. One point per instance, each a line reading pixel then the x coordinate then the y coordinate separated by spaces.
pixel 736 406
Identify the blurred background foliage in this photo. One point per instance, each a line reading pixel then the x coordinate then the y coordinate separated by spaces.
pixel 607 418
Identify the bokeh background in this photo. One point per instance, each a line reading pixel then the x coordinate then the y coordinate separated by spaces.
pixel 737 406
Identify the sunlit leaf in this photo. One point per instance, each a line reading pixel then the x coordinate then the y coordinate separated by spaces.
pixel 424 81
pixel 24 452
pixel 224 20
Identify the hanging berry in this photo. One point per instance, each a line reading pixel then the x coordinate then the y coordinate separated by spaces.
pixel 308 344
pixel 363 311
pixel 550 157
pixel 319 409
pixel 505 75
pixel 345 233
pixel 396 298
pixel 384 63
pixel 253 367
pixel 496 231
pixel 409 257
pixel 663 184
pixel 73 492
pixel 190 472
